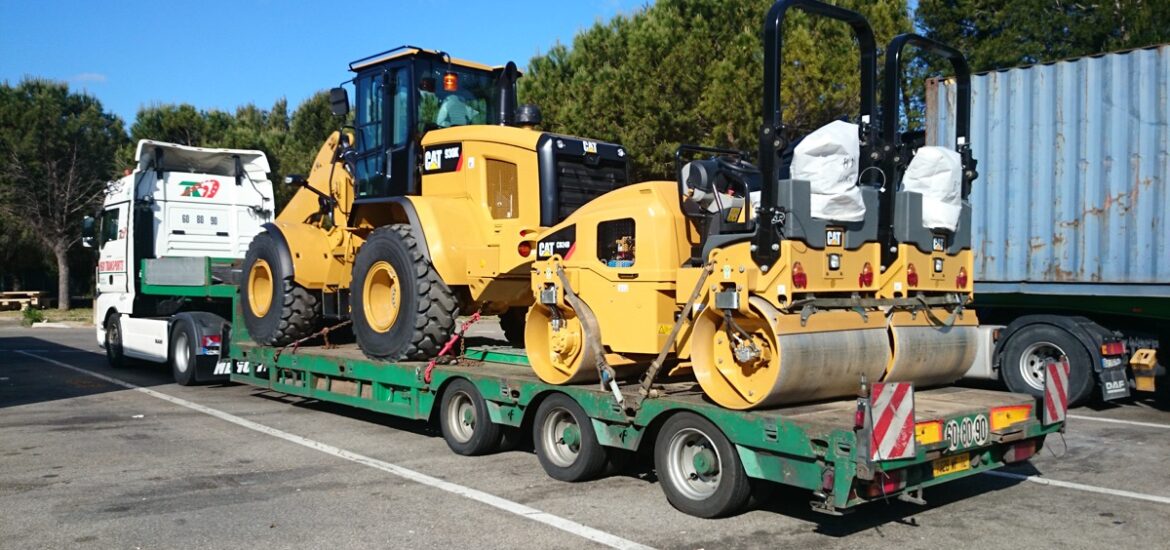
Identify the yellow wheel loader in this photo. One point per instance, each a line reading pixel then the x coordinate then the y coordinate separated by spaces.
pixel 422 210
pixel 767 288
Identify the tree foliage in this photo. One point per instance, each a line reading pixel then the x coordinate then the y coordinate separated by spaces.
pixel 57 153
pixel 1004 33
pixel 691 71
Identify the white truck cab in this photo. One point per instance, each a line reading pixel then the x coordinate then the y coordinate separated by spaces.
pixel 168 233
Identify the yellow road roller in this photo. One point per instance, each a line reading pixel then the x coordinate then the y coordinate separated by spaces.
pixel 422 211
pixel 769 290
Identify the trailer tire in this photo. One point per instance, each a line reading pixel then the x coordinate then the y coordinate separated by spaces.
pixel 419 309
pixel 277 311
pixel 699 469
pixel 463 418
pixel 115 355
pixel 512 322
pixel 564 440
pixel 184 357
pixel 1024 355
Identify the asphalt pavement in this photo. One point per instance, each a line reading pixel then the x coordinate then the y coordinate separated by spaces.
pixel 88 462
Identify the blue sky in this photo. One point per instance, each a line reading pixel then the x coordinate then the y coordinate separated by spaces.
pixel 218 54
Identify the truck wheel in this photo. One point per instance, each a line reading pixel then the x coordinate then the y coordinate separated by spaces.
pixel 512 321
pixel 464 420
pixel 1029 350
pixel 699 469
pixel 565 442
pixel 401 308
pixel 184 358
pixel 277 311
pixel 114 355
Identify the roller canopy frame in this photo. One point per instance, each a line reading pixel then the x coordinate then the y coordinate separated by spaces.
pixel 770 141
pixel 895 164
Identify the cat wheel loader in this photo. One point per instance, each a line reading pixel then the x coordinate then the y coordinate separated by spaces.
pixel 421 210
pixel 768 290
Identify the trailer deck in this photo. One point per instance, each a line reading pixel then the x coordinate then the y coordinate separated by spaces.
pixel 817 446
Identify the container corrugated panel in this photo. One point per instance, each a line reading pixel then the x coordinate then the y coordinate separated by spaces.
pixel 1074 160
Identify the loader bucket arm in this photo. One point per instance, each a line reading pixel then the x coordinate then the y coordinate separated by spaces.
pixel 895 164
pixel 771 143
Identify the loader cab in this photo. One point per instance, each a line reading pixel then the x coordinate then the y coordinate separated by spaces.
pixel 404 93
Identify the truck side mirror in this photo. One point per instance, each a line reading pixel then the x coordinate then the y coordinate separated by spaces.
pixel 339 102
pixel 87 231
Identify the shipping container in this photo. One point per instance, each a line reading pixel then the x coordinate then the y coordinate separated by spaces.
pixel 1074 163
pixel 1072 244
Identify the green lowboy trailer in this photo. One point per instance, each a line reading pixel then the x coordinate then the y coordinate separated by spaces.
pixel 889 442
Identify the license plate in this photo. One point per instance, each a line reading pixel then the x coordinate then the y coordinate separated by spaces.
pixel 951 464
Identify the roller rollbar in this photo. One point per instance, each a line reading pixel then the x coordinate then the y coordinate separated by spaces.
pixel 771 142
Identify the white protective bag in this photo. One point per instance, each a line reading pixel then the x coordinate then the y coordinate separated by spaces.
pixel 937 174
pixel 828 159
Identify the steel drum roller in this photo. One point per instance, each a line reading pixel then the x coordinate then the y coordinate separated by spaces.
pixel 930 354
pixel 822 360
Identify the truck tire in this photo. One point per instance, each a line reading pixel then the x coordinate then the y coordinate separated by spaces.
pixel 184 355
pixel 512 321
pixel 401 308
pixel 565 444
pixel 114 355
pixel 277 311
pixel 699 469
pixel 1025 354
pixel 463 418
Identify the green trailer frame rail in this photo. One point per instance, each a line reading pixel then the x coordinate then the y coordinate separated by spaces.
pixel 814 447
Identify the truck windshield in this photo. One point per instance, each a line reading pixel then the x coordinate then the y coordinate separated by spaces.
pixel 445 101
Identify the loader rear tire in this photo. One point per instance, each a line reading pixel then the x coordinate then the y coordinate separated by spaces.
pixel 401 308
pixel 277 311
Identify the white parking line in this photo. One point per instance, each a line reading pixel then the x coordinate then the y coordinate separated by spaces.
pixel 569 526
pixel 1081 487
pixel 1116 421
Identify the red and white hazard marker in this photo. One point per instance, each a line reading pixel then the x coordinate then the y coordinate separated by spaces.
pixel 1055 391
pixel 892 411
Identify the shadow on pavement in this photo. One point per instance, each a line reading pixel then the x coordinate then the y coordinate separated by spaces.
pixel 27 379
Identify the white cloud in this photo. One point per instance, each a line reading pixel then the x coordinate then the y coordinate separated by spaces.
pixel 88 77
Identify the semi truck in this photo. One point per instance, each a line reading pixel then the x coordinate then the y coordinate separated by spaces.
pixel 169 230
pixel 1070 226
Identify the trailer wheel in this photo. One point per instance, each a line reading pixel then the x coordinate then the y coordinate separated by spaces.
pixel 401 308
pixel 512 321
pixel 464 420
pixel 114 354
pixel 1029 350
pixel 564 440
pixel 277 311
pixel 699 469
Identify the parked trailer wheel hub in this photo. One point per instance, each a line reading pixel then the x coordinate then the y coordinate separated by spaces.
pixel 1033 361
pixel 461 417
pixel 693 464
pixel 562 437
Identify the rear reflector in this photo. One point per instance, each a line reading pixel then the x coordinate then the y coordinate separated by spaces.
pixel 1020 452
pixel 926 433
pixel 1003 417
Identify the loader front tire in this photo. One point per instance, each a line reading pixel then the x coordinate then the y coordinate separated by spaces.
pixel 401 308
pixel 277 311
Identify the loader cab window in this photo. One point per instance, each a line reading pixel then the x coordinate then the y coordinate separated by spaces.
pixel 383 131
pixel 463 98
